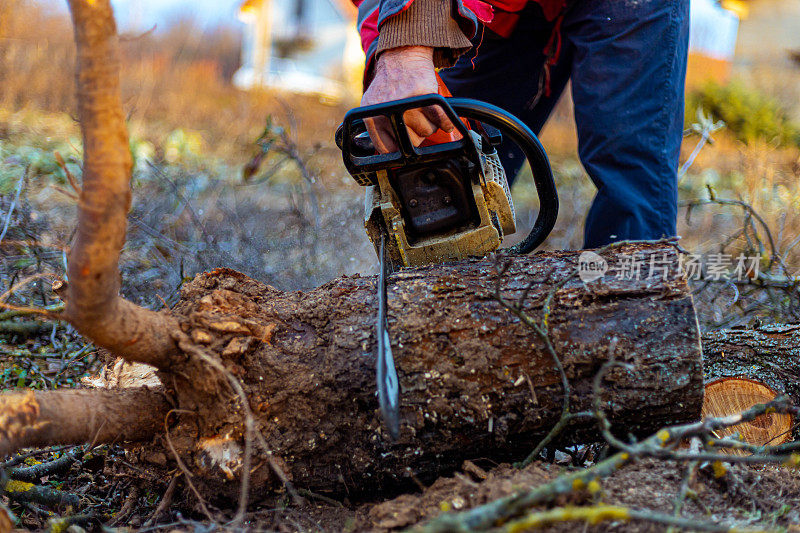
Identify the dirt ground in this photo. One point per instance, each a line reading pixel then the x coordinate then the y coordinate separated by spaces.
pixel 122 496
pixel 766 493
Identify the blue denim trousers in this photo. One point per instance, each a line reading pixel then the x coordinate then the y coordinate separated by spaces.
pixel 627 63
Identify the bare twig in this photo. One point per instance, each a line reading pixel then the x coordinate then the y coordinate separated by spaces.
pixel 166 499
pixel 602 513
pixel 5 315
pixel 750 211
pixel 36 472
pixel 684 490
pixel 72 181
pixel 11 207
pixel 17 459
pixel 26 310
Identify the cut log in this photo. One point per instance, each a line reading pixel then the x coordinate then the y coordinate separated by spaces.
pixel 728 396
pixel 748 366
pixel 475 380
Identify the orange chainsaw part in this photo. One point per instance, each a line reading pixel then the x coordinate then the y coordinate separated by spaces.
pixel 440 136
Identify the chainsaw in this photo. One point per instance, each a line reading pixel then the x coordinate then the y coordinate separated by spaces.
pixel 444 200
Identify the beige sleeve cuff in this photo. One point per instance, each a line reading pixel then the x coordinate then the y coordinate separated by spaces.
pixel 426 23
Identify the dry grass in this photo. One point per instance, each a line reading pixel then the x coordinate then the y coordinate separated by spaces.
pixel 192 132
pixel 172 79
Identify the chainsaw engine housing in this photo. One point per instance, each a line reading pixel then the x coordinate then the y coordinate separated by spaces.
pixel 448 198
pixel 441 210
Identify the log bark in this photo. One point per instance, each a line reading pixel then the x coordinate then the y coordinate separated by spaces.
pixel 476 381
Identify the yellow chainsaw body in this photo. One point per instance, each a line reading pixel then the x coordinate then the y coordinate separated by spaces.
pixel 495 219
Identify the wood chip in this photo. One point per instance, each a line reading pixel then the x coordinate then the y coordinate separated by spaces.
pixel 229 326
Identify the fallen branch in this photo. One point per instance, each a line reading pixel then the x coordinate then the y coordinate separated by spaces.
pixel 22 491
pixel 660 445
pixel 602 513
pixel 17 459
pixel 36 472
pixel 24 328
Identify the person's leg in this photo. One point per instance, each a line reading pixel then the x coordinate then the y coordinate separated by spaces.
pixel 505 72
pixel 628 71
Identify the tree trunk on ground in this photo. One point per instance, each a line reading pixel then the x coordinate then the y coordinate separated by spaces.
pixel 476 381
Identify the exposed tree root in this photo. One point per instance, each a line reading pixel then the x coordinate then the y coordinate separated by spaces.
pixel 78 417
pixel 93 304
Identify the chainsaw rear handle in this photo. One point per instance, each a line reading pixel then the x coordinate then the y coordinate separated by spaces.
pixel 361 157
pixel 516 130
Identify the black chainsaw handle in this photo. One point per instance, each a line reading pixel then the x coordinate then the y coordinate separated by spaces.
pixel 359 159
pixel 521 134
pixel 454 108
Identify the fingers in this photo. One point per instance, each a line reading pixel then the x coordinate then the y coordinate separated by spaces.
pixel 380 131
pixel 437 116
pixel 421 123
